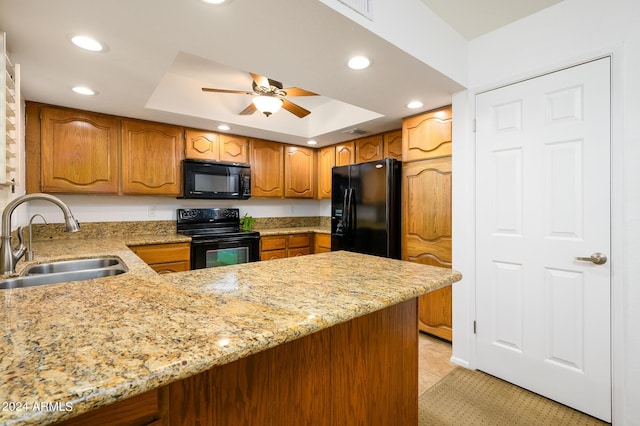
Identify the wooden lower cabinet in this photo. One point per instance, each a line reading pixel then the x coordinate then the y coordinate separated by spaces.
pixel 145 409
pixel 281 246
pixel 361 372
pixel 322 243
pixel 165 258
pixel 364 371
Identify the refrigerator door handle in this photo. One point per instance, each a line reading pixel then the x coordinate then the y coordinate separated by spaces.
pixel 345 212
pixel 350 211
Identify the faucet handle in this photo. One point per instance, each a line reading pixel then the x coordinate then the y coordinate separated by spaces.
pixel 19 252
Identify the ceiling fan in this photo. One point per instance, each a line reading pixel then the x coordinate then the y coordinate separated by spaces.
pixel 269 97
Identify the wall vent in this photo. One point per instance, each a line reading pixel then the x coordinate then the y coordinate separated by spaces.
pixel 356 132
pixel 363 7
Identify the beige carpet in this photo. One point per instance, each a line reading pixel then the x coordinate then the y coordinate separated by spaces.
pixel 465 397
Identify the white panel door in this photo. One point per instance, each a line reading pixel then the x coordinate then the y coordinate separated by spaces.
pixel 543 199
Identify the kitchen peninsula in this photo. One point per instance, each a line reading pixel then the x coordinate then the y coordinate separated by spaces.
pixel 313 339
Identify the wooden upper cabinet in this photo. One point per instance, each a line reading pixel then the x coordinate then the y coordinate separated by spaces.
pixel 202 145
pixel 299 172
pixel 369 149
pixel 345 153
pixel 392 142
pixel 234 148
pixel 79 152
pixel 151 158
pixel 326 161
pixel 427 135
pixel 267 169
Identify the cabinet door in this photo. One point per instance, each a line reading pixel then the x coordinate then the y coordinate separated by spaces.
pixel 322 243
pixel 426 233
pixel 201 145
pixel 427 135
pixel 393 145
pixel 79 152
pixel 233 149
pixel 299 172
pixel 267 169
pixel 326 161
pixel 345 153
pixel 151 158
pixel 369 149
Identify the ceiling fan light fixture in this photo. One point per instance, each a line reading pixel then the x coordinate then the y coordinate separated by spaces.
pixel 267 104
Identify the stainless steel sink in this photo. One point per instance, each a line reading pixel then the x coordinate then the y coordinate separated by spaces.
pixel 67 270
pixel 72 265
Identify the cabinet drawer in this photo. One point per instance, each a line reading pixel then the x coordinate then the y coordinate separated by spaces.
pixel 299 240
pixel 298 251
pixel 273 254
pixel 169 267
pixel 277 242
pixel 163 253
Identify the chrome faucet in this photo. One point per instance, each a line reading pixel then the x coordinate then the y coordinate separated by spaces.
pixel 8 256
pixel 29 254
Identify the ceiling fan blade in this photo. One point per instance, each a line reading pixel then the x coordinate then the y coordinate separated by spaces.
pixel 207 89
pixel 260 80
pixel 248 110
pixel 295 109
pixel 296 91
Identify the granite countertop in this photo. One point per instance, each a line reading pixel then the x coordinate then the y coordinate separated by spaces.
pixel 94 342
pixel 293 230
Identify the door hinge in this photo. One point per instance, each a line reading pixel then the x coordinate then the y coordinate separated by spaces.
pixel 473 125
pixel 474 327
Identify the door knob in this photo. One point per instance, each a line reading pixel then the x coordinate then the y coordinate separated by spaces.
pixel 597 258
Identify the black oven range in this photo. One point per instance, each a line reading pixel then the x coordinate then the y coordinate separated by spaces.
pixel 216 239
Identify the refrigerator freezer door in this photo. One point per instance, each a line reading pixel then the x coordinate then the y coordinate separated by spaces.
pixel 340 181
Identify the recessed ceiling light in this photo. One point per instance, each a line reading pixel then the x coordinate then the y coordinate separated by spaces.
pixel 216 1
pixel 312 142
pixel 88 43
pixel 224 127
pixel 415 104
pixel 359 63
pixel 84 91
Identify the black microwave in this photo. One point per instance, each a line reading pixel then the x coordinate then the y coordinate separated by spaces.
pixel 216 180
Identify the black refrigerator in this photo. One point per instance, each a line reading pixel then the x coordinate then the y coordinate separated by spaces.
pixel 365 208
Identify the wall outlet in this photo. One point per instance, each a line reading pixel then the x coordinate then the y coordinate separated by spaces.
pixel 152 211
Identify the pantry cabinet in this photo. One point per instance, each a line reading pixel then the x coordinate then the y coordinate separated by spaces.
pixel 79 152
pixel 427 135
pixel 203 145
pixel 426 234
pixel 299 172
pixel 267 168
pixel 152 157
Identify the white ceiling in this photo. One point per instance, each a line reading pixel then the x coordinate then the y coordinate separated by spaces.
pixel 162 52
pixel 473 18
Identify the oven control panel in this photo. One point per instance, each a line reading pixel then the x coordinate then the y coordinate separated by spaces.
pixel 208 215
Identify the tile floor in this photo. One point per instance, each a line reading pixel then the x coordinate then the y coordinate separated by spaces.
pixel 433 361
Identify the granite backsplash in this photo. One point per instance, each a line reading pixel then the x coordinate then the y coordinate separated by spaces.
pixel 161 227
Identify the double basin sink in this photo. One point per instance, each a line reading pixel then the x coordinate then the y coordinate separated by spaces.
pixel 66 270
